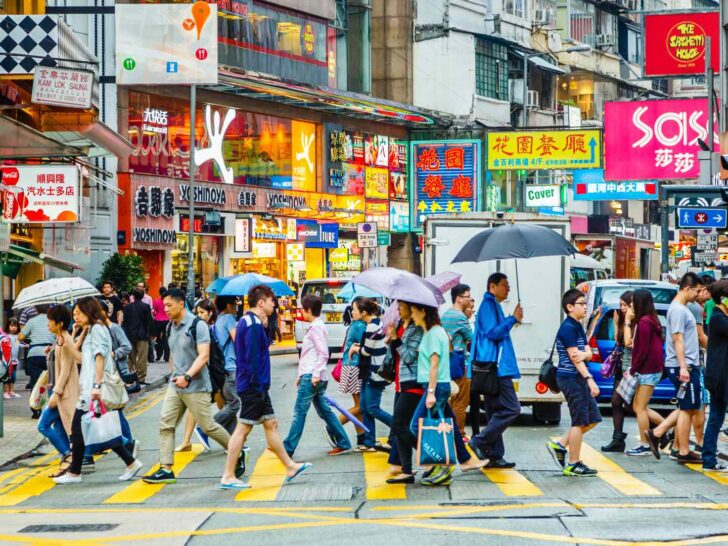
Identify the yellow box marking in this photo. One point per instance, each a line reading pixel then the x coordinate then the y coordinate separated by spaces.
pixel 615 475
pixel 376 473
pixel 512 483
pixel 266 480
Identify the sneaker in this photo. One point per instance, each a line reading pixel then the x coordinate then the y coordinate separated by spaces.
pixel 15 395
pixel 579 470
pixel 438 478
pixel 654 443
pixel 6 396
pixel 674 454
pixel 698 448
pixel 131 471
pixel 68 478
pixel 433 470
pixel 338 451
pixel 242 463
pixel 88 465
pixel 690 458
pixel 330 436
pixel 202 437
pixel 719 467
pixel 134 448
pixel 558 452
pixel 160 476
pixel 638 451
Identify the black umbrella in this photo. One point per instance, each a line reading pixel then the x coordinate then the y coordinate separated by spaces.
pixel 513 241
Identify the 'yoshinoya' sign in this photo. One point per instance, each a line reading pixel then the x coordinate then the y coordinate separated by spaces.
pixel 204 194
pixel 154 235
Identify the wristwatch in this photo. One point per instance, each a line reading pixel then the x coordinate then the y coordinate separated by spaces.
pixel 187 378
pixel 431 391
pixel 590 376
pixel 97 385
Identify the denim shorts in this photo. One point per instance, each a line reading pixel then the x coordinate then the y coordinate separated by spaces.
pixel 650 379
pixel 693 398
pixel 583 406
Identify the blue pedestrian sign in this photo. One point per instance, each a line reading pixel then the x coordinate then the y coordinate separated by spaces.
pixel 172 66
pixel 695 218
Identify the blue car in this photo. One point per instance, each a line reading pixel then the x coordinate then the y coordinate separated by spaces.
pixel 600 336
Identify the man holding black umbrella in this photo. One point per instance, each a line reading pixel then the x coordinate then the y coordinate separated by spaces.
pixel 493 343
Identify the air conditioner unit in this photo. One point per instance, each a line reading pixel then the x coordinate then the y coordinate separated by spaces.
pixel 533 99
pixel 542 17
pixel 603 40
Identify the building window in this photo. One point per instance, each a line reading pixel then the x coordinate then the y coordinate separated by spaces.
pixel 582 21
pixel 515 7
pixel 491 69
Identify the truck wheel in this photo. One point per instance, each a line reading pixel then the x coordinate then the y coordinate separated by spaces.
pixel 547 413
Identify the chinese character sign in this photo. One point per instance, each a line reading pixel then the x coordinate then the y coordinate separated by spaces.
pixel 40 193
pixel 654 139
pixel 445 177
pixel 589 185
pixel 675 43
pixel 573 149
pixel 62 87
pixel 377 183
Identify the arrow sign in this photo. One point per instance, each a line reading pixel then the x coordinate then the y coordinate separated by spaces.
pixel 695 218
pixel 592 145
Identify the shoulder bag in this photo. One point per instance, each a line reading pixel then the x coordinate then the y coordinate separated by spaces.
pixel 547 373
pixel 484 378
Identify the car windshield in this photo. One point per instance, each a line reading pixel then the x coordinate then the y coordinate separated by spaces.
pixel 584 274
pixel 610 295
pixel 605 331
pixel 328 291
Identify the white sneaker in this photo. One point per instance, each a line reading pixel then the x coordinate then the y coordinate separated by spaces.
pixel 719 467
pixel 131 471
pixel 68 478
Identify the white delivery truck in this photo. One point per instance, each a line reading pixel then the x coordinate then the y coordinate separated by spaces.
pixel 542 281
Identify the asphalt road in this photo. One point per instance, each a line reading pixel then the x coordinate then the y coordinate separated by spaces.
pixel 344 500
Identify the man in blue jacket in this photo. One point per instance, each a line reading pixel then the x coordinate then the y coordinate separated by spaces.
pixel 493 344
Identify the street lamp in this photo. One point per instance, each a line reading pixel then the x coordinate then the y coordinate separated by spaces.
pixel 526 57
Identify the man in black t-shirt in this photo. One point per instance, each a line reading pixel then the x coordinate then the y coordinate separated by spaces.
pixel 111 303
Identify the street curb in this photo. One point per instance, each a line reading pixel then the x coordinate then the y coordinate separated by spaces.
pixel 279 352
pixel 156 383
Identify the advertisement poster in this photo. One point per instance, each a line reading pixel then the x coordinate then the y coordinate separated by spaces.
pixel 377 183
pixel 445 177
pixel 34 194
pixel 397 155
pixel 399 217
pixel 654 139
pixel 675 43
pixel 303 143
pixel 397 185
pixel 570 149
pixel 376 150
pixel 166 44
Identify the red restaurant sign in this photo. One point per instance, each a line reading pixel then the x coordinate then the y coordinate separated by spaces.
pixel 675 43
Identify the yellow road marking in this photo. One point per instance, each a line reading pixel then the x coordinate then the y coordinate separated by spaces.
pixel 140 491
pixel 10 473
pixel 146 404
pixel 375 472
pixel 266 480
pixel 615 475
pixel 512 483
pixel 25 473
pixel 720 477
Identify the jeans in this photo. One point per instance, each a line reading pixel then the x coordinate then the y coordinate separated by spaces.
pixel 51 426
pixel 718 407
pixel 370 401
pixel 79 447
pixel 308 394
pixel 442 393
pixel 36 366
pixel 501 409
pixel 227 417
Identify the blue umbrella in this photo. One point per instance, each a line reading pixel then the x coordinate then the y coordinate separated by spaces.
pixel 351 291
pixel 240 285
pixel 218 284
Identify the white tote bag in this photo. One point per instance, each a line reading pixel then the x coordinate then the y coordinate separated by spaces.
pixel 103 430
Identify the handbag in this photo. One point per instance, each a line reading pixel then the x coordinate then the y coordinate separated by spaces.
pixel 336 372
pixel 101 428
pixel 457 364
pixel 436 440
pixel 547 373
pixel 113 390
pixel 387 370
pixel 612 363
pixel 484 378
pixel 628 385
pixel 39 394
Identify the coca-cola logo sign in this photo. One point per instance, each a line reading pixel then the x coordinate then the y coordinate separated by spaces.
pixel 10 175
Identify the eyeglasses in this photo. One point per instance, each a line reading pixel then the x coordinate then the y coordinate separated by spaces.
pixel 580 303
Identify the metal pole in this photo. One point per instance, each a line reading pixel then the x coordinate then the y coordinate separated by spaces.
pixel 191 234
pixel 664 230
pixel 723 44
pixel 524 119
pixel 710 84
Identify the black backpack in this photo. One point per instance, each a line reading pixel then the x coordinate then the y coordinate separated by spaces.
pixel 216 361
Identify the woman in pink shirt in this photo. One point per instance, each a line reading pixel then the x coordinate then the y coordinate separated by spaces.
pixel 159 328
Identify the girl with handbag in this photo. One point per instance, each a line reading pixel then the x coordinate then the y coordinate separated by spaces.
pixel 96 362
pixel 648 361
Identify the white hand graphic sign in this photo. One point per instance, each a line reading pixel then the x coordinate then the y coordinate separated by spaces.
pixel 216 134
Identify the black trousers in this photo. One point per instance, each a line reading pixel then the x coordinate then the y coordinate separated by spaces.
pixel 35 366
pixel 78 447
pixel 404 410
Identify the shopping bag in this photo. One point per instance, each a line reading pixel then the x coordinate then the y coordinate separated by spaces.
pixel 628 385
pixel 436 440
pixel 336 372
pixel 101 428
pixel 39 394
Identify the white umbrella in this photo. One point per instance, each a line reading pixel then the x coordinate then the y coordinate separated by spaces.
pixel 55 291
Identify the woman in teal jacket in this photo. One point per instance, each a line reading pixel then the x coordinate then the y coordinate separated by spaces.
pixel 350 382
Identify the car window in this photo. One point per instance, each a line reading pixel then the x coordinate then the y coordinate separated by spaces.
pixel 327 290
pixel 580 275
pixel 605 331
pixel 610 294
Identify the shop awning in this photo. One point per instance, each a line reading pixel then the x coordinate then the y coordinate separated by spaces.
pixel 543 64
pixel 18 255
pixel 21 141
pixel 326 99
pixel 96 140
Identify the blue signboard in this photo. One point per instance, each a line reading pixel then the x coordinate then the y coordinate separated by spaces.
pixel 445 176
pixel 589 185
pixel 691 218
pixel 317 235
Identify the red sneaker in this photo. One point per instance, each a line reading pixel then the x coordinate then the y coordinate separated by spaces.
pixel 338 451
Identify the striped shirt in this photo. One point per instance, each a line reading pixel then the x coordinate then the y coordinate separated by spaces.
pixel 458 328
pixel 38 334
pixel 373 349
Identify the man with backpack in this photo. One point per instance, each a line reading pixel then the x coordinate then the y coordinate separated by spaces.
pixel 189 388
pixel 222 356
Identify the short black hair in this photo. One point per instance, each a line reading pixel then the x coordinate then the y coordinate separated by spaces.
pixel 570 297
pixel 176 294
pixel 708 280
pixel 496 279
pixel 42 308
pixel 312 303
pixel 690 280
pixel 60 314
pixel 458 290
pixel 257 293
pixel 137 294
pixel 719 290
pixel 104 283
pixel 221 302
pixel 368 306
